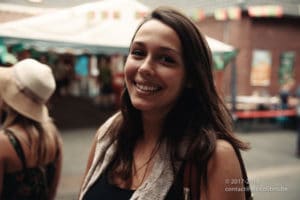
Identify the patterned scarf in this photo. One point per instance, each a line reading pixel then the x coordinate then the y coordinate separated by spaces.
pixel 156 185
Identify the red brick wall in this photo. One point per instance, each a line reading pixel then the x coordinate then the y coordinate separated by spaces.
pixel 275 35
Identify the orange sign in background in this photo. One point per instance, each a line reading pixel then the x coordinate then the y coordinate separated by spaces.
pixel 261 68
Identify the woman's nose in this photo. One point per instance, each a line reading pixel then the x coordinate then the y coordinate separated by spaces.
pixel 146 68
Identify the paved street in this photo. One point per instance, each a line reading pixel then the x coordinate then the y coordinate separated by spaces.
pixel 76 148
pixel 274 171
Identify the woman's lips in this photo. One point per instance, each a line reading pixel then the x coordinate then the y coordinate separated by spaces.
pixel 147 88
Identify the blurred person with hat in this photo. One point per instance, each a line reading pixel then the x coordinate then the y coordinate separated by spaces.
pixel 30 145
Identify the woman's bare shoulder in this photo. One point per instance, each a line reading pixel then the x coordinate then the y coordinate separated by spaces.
pixel 224 156
pixel 223 169
pixel 224 147
pixel 4 145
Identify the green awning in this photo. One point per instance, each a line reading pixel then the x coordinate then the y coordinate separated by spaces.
pixel 221 59
pixel 5 56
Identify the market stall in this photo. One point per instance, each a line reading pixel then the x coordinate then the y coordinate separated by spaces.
pixel 98 27
pixel 103 27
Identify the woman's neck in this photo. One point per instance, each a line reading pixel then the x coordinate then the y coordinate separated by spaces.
pixel 152 125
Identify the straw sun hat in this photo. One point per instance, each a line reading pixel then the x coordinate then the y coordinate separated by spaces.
pixel 26 87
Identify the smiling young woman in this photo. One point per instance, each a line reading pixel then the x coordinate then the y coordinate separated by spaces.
pixel 154 70
pixel 171 117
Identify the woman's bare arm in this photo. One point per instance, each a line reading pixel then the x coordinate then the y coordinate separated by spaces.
pixel 225 180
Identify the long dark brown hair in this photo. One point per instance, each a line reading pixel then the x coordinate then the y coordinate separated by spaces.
pixel 199 114
pixel 41 136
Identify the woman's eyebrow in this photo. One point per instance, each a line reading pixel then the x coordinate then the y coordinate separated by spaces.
pixel 137 43
pixel 163 48
pixel 172 50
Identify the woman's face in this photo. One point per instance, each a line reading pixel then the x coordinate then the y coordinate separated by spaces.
pixel 154 70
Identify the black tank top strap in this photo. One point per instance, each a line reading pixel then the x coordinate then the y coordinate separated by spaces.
pixel 190 182
pixel 17 146
pixel 249 195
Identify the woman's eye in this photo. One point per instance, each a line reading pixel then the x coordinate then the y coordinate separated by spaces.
pixel 167 59
pixel 137 52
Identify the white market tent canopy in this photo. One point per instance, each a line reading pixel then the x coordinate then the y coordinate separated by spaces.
pixel 98 27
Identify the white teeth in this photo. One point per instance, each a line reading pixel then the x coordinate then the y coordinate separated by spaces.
pixel 147 88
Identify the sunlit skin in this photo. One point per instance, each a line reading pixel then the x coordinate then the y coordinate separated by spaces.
pixel 154 70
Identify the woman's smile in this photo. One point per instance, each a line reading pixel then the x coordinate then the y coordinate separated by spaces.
pixel 147 88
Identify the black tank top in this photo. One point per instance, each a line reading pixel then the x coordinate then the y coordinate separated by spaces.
pixel 104 190
pixel 28 183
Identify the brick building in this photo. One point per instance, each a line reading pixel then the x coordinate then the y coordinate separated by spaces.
pixel 275 35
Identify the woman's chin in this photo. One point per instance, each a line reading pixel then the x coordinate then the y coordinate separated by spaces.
pixel 142 106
